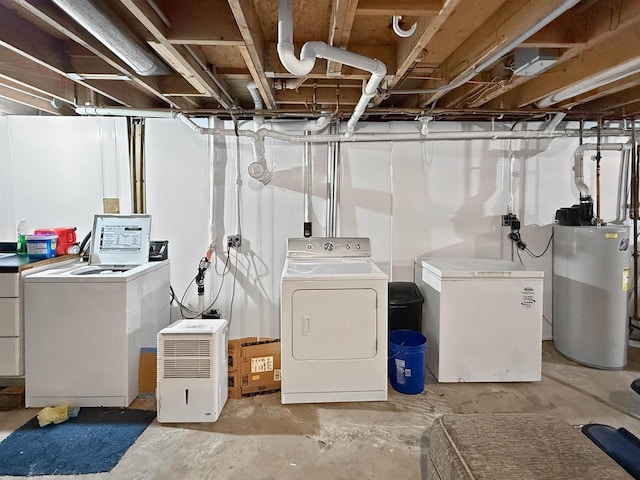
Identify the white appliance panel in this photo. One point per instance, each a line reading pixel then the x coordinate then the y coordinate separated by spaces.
pixel 334 324
pixel 192 371
pixel 84 335
pixel 481 325
pixel 309 375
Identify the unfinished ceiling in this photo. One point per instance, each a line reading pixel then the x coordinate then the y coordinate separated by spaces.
pixel 466 59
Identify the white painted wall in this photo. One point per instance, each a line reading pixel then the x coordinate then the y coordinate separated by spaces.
pixel 54 172
pixel 411 198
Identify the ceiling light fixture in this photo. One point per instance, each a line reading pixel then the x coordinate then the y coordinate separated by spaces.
pixel 103 24
pixel 597 80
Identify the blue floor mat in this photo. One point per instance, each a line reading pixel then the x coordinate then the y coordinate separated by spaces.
pixel 621 445
pixel 92 442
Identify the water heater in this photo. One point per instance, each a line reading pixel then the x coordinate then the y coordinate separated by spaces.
pixel 590 288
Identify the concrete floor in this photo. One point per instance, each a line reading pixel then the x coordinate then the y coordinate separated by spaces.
pixel 258 438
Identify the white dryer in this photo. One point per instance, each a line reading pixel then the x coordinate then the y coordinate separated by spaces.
pixel 333 322
pixel 85 324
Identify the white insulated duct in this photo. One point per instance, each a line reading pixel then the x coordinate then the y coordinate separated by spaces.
pixel 578 168
pixel 312 50
pixel 114 34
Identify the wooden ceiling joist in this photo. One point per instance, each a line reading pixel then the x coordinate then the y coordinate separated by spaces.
pixel 49 14
pixel 600 58
pixel 499 31
pixel 253 50
pixel 37 102
pixel 343 14
pixel 176 56
pixel 388 8
pixel 595 22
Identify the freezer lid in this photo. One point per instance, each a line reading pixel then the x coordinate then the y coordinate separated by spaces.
pixel 450 267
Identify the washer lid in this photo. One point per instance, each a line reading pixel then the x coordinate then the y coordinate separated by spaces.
pixel 475 268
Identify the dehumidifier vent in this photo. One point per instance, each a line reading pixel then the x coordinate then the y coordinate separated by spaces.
pixel 187 368
pixel 187 348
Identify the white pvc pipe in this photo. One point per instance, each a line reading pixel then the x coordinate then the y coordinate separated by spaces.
pixel 578 163
pixel 255 95
pixel 399 31
pixel 123 111
pixel 312 50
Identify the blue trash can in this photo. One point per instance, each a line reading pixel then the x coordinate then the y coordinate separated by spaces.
pixel 406 361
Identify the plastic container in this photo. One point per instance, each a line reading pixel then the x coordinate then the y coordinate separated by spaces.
pixel 405 306
pixel 41 246
pixel 406 361
pixel 66 237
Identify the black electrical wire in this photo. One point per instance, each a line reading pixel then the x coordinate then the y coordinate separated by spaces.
pixel 533 255
pixel 195 313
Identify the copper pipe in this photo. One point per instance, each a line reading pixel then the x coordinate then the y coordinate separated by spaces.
pixel 598 158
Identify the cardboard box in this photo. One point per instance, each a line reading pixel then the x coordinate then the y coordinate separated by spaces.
pixel 147 371
pixel 254 366
pixel 234 384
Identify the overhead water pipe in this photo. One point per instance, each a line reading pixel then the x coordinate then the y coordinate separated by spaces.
pixel 473 70
pixel 395 23
pixel 312 50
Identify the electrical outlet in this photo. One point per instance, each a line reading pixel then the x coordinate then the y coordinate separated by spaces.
pixel 234 241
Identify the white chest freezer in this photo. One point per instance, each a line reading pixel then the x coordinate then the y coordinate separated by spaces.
pixel 482 319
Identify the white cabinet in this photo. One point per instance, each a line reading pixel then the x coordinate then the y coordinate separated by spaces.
pixel 12 318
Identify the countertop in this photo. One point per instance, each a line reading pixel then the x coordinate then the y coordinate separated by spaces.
pixel 16 263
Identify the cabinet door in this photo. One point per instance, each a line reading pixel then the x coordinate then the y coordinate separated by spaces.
pixel 334 324
pixel 10 363
pixel 9 284
pixel 10 317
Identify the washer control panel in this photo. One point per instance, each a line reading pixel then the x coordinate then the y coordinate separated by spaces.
pixel 328 247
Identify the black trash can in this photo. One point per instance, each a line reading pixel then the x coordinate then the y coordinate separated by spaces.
pixel 405 306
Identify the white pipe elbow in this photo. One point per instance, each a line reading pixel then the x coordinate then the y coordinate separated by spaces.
pixel 399 31
pixel 289 61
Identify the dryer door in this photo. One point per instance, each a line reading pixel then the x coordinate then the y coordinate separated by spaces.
pixel 334 324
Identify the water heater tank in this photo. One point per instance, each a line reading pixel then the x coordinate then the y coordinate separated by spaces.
pixel 590 288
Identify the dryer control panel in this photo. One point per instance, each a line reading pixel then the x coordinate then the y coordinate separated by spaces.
pixel 328 247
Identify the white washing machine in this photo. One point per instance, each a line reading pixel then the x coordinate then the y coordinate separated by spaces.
pixel 85 324
pixel 333 322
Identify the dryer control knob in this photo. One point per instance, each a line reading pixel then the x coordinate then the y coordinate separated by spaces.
pixel 329 246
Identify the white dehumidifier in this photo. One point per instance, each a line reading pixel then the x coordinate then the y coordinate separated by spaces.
pixel 192 371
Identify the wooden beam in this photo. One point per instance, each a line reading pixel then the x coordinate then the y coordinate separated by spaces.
pixel 388 8
pixel 20 95
pixel 616 97
pixel 595 23
pixel 630 110
pixel 320 96
pixel 411 50
pixel 202 22
pixel 506 25
pixel 343 14
pixel 54 17
pixel 176 56
pixel 600 58
pixel 253 51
